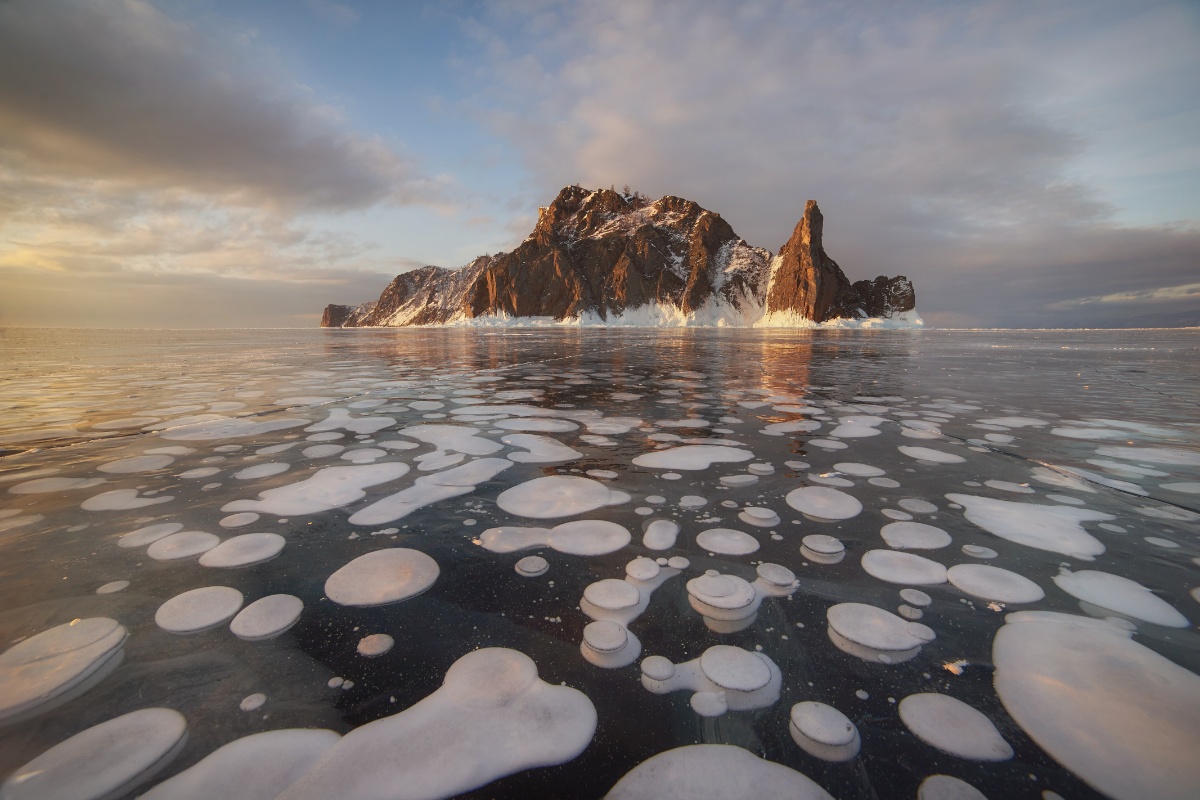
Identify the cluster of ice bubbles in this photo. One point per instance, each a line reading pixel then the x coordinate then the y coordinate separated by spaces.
pixel 494 716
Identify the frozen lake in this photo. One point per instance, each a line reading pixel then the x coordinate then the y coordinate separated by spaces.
pixel 1002 582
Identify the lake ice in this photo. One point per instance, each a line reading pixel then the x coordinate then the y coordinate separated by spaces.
pixel 578 563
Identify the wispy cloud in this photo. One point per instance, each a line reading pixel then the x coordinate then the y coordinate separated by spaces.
pixel 1160 294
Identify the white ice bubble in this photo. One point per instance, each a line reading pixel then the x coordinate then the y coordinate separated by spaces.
pixel 724 678
pixel 692 457
pixel 823 504
pixel 262 471
pixel 994 583
pixel 218 427
pixel 1054 528
pixel 585 537
pixel 184 544
pixel 822 549
pixel 558 496
pixel 1183 487
pixel 113 587
pixel 759 517
pixel 953 727
pixel 917 506
pixel 456 438
pixel 713 772
pixel 660 534
pixel 429 489
pixel 382 577
pixel 947 787
pixel 532 566
pixel 858 470
pixel 979 551
pixel 1122 595
pixel 108 760
pixel 900 567
pixel 823 731
pixel 244 550
pixel 727 542
pixel 914 536
pixel 491 717
pixel 136 464
pixel 199 472
pixel 253 767
pixel 875 632
pixel 542 449
pixel 199 609
pixel 540 425
pixel 930 456
pixel 48 485
pixel 328 488
pixel 150 533
pixel 267 617
pixel 342 419
pixel 251 702
pixel 915 597
pixel 375 645
pixel 122 500
pixel 45 670
pixel 127 422
pixel 1114 712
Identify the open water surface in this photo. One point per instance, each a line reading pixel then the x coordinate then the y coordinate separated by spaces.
pixel 1068 454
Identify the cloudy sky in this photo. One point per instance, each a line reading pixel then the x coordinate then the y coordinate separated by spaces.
pixel 214 163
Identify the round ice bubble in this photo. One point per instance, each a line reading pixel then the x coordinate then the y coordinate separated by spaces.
pixel 823 504
pixel 382 577
pixel 199 609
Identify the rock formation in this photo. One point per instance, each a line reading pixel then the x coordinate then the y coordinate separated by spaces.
pixel 604 256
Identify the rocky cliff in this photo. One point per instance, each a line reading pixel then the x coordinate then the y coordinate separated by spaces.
pixel 606 257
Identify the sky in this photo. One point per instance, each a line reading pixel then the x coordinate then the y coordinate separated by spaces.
pixel 242 163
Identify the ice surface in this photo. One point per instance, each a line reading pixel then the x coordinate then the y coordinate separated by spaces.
pixel 585 537
pixel 558 496
pixel 429 489
pixel 1053 528
pixel 1122 595
pixel 331 487
pixel 713 772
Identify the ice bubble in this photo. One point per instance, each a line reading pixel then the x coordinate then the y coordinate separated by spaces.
pixel 822 549
pixel 56 665
pixel 262 471
pixel 873 634
pixel 199 472
pixel 113 587
pixel 829 479
pixel 184 544
pixel 823 504
pixel 1120 595
pixel 1153 455
pixel 1007 486
pixel 329 436
pixel 492 717
pixel 914 536
pixel 382 577
pixel 267 617
pixel 1066 499
pixel 899 567
pixel 342 419
pixel 220 427
pixel 739 480
pixel 558 496
pixel 108 760
pixel 885 483
pixel 915 597
pixel 238 520
pixel 375 645
pixel 1117 714
pixel 930 456
pixel 609 644
pixel 585 537
pixel 660 534
pixel 823 731
pixel 1158 541
pixel 727 542
pixel 127 422
pixel 438 459
pixel 541 425
pixel 122 500
pixel 858 470
pixel 1183 487
pixel 692 457
pixel 198 610
pixel 602 474
pixel 328 488
pixel 612 594
pixel 532 566
pixel 251 702
pixel 136 464
pixel 917 506
pixel 946 787
pixel 430 489
pixel 713 772
pixel 953 727
pixel 542 449
pixel 244 550
pixel 151 533
pixel 795 426
pixel 900 516
pixel 759 517
pixel 642 569
pixel 723 678
pixel 1053 528
pixel 857 426
pixel 454 438
pixel 47 485
pixel 994 583
pixel 978 551
pixel 257 766
pixel 828 444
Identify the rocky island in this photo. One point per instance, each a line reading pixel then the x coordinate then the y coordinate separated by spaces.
pixel 609 258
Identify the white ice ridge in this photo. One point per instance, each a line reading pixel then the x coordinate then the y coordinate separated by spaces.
pixel 253 767
pixel 1119 715
pixel 1055 528
pixel 491 717
pixel 724 678
pixel 429 489
pixel 328 488
pixel 713 772
pixel 584 537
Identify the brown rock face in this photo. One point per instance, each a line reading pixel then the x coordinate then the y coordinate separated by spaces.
pixel 604 253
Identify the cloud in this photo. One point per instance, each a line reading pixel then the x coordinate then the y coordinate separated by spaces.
pixel 1160 294
pixel 116 90
pixel 942 141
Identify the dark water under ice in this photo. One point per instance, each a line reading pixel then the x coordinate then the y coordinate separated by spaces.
pixel 74 401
